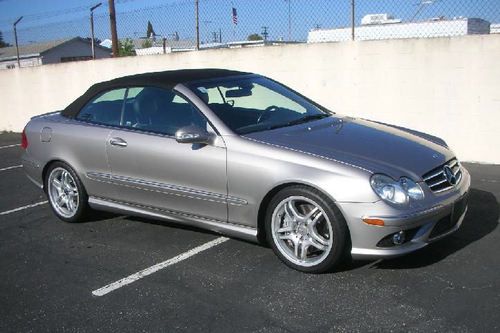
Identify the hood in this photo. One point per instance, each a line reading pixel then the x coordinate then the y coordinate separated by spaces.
pixel 377 147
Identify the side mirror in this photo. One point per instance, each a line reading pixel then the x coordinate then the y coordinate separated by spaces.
pixel 193 134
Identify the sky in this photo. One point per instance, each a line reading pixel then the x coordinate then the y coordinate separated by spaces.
pixel 55 19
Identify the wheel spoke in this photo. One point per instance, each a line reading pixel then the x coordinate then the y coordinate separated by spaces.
pixel 316 236
pixel 303 250
pixel 60 199
pixel 286 237
pixel 296 248
pixel 57 184
pixel 317 244
pixel 311 213
pixel 287 228
pixel 65 179
pixel 291 210
pixel 316 218
pixel 71 204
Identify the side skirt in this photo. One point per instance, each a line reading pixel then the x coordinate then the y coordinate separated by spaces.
pixel 229 229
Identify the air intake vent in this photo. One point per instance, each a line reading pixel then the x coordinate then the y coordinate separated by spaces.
pixel 444 177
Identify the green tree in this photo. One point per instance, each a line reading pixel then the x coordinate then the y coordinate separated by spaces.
pixel 254 37
pixel 150 32
pixel 2 42
pixel 146 43
pixel 126 48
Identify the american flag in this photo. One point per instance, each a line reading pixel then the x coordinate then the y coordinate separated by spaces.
pixel 235 16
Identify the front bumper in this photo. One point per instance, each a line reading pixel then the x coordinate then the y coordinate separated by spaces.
pixel 438 216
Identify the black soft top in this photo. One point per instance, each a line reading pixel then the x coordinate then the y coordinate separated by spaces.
pixel 166 79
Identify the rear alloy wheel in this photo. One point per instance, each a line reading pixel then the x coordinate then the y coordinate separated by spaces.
pixel 66 194
pixel 305 231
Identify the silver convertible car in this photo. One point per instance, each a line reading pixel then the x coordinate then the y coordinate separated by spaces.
pixel 246 156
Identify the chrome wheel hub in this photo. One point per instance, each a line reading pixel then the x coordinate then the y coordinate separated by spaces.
pixel 63 192
pixel 302 231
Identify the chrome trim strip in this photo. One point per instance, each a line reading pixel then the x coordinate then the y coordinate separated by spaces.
pixel 438 183
pixel 440 172
pixel 228 228
pixel 166 188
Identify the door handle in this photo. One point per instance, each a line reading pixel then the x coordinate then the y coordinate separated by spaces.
pixel 118 142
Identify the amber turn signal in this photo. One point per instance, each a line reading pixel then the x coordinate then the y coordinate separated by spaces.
pixel 371 221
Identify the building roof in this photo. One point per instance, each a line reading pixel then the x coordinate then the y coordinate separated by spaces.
pixel 166 79
pixel 37 49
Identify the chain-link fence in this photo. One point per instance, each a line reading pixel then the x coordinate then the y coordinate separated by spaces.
pixel 144 28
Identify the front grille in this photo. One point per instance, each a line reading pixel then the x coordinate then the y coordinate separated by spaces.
pixel 437 180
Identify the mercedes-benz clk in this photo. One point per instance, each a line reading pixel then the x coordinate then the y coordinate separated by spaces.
pixel 246 156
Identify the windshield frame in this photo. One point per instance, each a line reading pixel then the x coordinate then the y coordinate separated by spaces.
pixel 194 85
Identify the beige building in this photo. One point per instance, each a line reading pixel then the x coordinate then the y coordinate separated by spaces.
pixel 65 50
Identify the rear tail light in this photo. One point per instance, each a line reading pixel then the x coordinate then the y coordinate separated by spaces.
pixel 24 140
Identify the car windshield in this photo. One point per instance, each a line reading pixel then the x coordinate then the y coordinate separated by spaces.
pixel 255 103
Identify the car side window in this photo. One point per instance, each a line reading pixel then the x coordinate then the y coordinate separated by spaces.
pixel 159 110
pixel 104 109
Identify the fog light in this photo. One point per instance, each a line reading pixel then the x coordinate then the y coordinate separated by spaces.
pixel 398 238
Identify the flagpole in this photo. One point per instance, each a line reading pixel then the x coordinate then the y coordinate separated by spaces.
pixel 234 25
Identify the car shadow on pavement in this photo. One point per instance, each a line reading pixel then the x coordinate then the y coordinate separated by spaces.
pixel 170 224
pixel 481 219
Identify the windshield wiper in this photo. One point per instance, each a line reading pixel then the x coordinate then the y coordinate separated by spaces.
pixel 308 118
pixel 302 120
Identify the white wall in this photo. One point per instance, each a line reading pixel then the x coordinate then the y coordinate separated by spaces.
pixel 25 62
pixel 426 29
pixel 448 87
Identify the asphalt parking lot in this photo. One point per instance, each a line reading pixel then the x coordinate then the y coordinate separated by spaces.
pixel 50 269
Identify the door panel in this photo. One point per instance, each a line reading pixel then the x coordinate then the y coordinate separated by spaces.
pixel 85 150
pixel 156 171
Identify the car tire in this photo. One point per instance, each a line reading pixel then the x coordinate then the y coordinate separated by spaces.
pixel 66 194
pixel 311 238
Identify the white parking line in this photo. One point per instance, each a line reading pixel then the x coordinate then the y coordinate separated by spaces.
pixel 150 270
pixel 23 208
pixel 11 167
pixel 10 146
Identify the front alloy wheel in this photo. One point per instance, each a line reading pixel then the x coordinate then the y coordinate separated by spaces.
pixel 305 229
pixel 302 231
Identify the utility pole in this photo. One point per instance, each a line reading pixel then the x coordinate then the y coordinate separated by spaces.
pixel 197 24
pixel 112 23
pixel 220 35
pixel 92 27
pixel 15 38
pixel 265 33
pixel 352 19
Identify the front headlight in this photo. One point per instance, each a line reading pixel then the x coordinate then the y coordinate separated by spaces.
pixel 397 192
